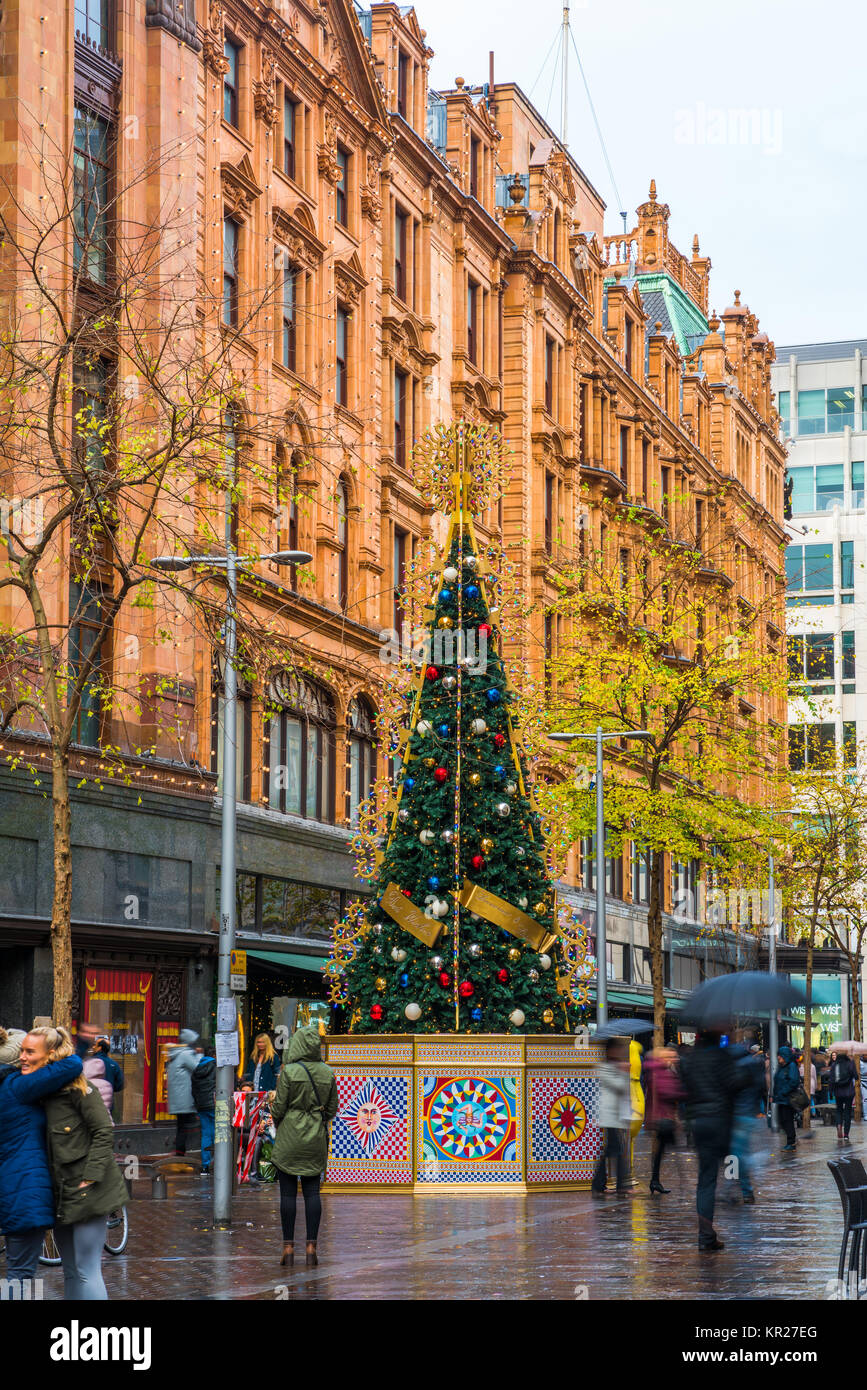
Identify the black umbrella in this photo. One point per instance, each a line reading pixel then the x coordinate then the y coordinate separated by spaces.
pixel 748 992
pixel 622 1027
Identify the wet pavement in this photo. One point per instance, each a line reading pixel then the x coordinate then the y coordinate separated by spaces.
pixel 553 1246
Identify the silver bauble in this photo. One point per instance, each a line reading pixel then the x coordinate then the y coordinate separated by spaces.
pixel 436 962
pixel 520 852
pixel 511 788
pixel 426 837
pixel 534 976
pixel 522 903
pixel 503 809
pixel 377 928
pixel 403 816
pixel 448 683
pixel 470 561
pixel 474 949
pixel 479 726
pixel 398 954
pixel 450 574
pixel 545 962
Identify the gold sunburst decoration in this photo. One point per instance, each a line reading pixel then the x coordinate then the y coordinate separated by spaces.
pixel 461 447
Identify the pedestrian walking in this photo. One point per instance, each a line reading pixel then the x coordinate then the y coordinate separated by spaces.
pixel 615 1114
pixel 750 1105
pixel 26 1192
pixel 305 1102
pixel 86 1179
pixel 842 1080
pixel 94 1071
pixel 181 1063
pixel 113 1072
pixel 664 1093
pixel 10 1044
pixel 204 1087
pixel 711 1079
pixel 786 1083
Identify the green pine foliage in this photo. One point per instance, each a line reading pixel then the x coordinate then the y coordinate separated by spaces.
pixel 500 974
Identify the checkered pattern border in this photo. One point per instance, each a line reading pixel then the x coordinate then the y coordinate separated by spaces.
pixel 364 1054
pixel 441 1170
pixel 390 1159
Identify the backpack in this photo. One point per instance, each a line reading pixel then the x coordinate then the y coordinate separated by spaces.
pixel 839 1072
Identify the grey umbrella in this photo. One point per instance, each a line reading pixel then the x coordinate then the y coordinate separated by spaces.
pixel 623 1027
pixel 746 992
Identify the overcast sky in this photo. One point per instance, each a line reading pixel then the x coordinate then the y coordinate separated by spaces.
pixel 779 199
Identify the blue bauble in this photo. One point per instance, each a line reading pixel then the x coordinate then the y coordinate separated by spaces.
pixel 443 730
pixel 445 596
pixel 472 592
pixel 476 1015
pixel 493 697
pixel 433 883
pixel 499 770
pixel 404 980
pixel 409 783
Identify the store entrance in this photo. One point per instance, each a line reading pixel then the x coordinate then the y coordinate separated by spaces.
pixel 119 1003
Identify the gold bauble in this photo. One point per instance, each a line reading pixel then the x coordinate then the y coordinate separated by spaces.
pixel 475 779
pixel 548 1016
pixel 514 954
pixel 487 846
pixel 430 762
pixel 380 984
pixel 540 909
pixel 446 622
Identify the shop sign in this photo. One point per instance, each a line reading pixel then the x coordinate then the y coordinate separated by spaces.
pixel 238 970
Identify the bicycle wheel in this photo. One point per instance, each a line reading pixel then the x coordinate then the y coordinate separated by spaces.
pixel 50 1255
pixel 117 1232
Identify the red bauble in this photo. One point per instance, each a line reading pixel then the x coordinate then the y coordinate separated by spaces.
pixel 445 979
pixel 499 740
pixel 478 861
pixel 406 892
pixel 432 673
pixel 486 629
pixel 503 976
pixel 466 989
pixel 376 1013
pixel 440 774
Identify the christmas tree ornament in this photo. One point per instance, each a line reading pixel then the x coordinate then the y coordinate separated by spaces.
pixel 539 910
pixel 475 779
pixel 476 1015
pixel 403 815
pixel 471 592
pixel 474 949
pixel 445 979
pixel 470 561
pixel 426 837
pixel 466 989
pixel 478 726
pixel 520 852
pixel 430 762
pixel 413 1012
pixel 545 962
pixel 500 740
pixel 377 950
pixel 449 683
pixel 487 845
pixel 436 962
pixel 446 622
pixel 440 907
pixel 493 697
pixel 404 980
pixel 424 727
pixel 503 809
pixel 409 783
pixel 432 674
pixel 440 774
pixel 474 917
pixel 377 929
pixel 446 594
pixel 443 730
pixel 522 903
pixel 548 1016
pixel 533 976
pixel 503 975
pixel 398 954
pixel 477 862
pixel 433 883
pixel 514 953
pixel 447 836
pixel 380 984
pixel 376 1012
pixel 450 575
pixel 511 788
pixel 499 770
pixel 517 1017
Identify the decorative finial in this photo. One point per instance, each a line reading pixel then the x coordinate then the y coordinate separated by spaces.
pixel 737 297
pixel 653 190
pixel 459 82
pixel 695 245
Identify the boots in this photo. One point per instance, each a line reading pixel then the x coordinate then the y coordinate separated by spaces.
pixel 839 1131
pixel 310 1254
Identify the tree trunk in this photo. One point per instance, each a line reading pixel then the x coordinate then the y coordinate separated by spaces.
pixel 61 907
pixel 808 1024
pixel 654 935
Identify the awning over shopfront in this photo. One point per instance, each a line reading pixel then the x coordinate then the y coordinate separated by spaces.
pixel 637 1001
pixel 291 960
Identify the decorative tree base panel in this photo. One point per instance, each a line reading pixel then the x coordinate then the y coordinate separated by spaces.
pixel 469 1113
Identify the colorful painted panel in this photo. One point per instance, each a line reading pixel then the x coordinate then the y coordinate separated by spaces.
pixel 470 1128
pixel 370 1136
pixel 564 1141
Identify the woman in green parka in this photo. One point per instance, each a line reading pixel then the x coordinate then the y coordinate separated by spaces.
pixel 87 1181
pixel 304 1103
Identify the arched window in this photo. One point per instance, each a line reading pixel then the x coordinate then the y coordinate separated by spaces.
pixel 231 437
pixel 299 749
pixel 342 551
pixel 361 762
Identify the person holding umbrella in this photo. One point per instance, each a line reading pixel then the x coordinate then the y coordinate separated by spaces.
pixel 711 1079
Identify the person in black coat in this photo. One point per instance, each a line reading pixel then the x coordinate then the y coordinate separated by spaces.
pixel 787 1080
pixel 712 1079
pixel 842 1080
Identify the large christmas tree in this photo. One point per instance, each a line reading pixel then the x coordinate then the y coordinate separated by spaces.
pixel 460 935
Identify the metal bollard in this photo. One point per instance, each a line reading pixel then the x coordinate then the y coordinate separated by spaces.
pixel 159 1191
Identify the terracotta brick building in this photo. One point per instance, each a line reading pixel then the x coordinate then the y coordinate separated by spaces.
pixel 435 255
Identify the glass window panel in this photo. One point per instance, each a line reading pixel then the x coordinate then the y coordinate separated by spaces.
pixel 841 407
pixel 821 743
pixel 293 765
pixel 794 568
pixel 829 486
pixel 850 743
pixel 314 764
pixel 796 747
pixel 803 491
pixel 356 753
pixel 783 398
pixel 277 774
pixel 820 656
pixel 274 916
pixel 321 908
pixel 796 658
pixel 246 898
pixel 811 412
pixel 818 567
pixel 858 483
pixel 848 672
pixel 847 565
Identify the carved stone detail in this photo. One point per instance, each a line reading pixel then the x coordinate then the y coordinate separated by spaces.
pixel 265 90
pixel 169 994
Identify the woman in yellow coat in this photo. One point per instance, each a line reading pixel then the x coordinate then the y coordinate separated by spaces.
pixel 636 1094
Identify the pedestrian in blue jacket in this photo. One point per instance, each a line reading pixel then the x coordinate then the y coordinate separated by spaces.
pixel 26 1192
pixel 787 1080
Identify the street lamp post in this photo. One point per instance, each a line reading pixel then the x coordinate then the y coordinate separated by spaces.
pixel 601 935
pixel 231 563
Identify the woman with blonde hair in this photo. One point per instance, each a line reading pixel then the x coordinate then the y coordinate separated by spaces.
pixel 86 1179
pixel 263 1068
pixel 26 1196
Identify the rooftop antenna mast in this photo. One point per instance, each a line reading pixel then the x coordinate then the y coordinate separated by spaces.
pixel 564 75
